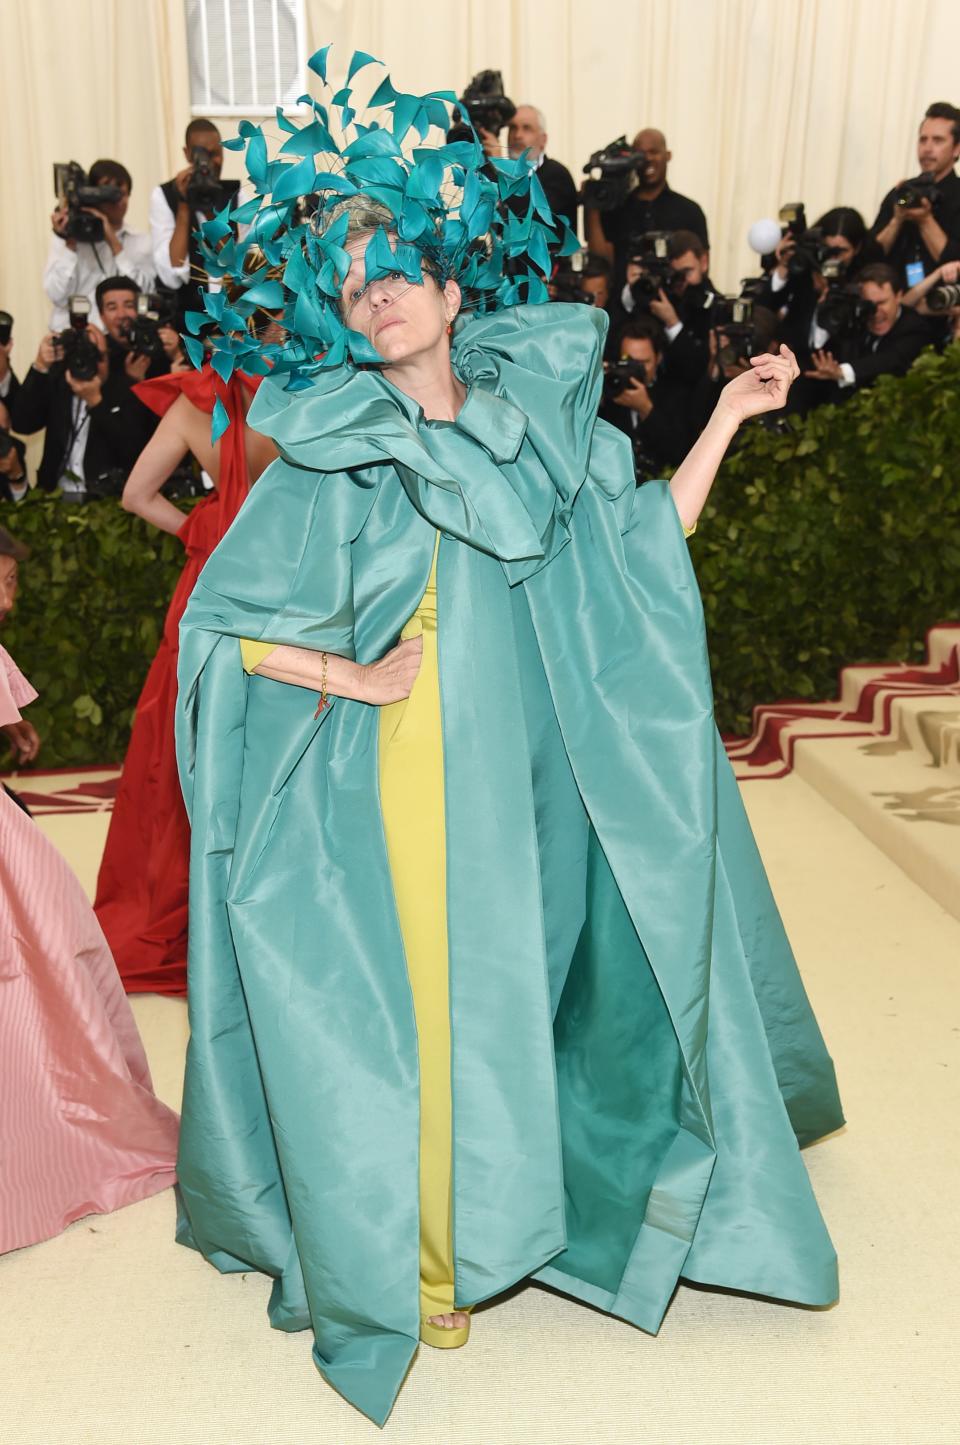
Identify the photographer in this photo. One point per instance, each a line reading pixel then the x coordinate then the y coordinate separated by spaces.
pixel 76 266
pixel 938 297
pixel 13 465
pixel 595 280
pixel 918 224
pixel 650 206
pixel 14 484
pixel 9 385
pixel 80 389
pixel 667 278
pixel 179 206
pixel 888 340
pixel 811 268
pixel 528 132
pixel 640 399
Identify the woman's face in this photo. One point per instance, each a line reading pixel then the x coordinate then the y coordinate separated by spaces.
pixel 402 320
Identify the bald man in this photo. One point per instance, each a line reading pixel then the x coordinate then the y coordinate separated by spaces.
pixel 528 132
pixel 652 206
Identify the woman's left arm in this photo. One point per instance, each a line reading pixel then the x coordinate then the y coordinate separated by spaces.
pixel 182 428
pixel 763 388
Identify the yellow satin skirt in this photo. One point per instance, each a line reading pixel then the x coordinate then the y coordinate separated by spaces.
pixel 412 802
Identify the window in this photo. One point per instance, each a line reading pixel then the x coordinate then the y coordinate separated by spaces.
pixel 246 56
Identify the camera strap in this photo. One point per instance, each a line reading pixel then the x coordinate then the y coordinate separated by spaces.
pixel 71 467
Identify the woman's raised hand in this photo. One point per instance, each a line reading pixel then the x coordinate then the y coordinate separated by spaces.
pixel 764 387
pixel 392 678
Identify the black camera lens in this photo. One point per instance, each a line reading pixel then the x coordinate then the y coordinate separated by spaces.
pixel 943 298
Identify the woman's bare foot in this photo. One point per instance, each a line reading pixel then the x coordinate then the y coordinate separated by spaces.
pixel 458 1320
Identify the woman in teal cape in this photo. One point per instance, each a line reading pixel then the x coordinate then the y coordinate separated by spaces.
pixel 633 1060
pixel 634 1056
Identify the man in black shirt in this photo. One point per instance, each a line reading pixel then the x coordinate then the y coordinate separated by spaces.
pixel 179 207
pixel 528 132
pixel 651 206
pixel 916 238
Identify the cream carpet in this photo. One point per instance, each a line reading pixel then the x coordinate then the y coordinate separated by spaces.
pixel 112 1335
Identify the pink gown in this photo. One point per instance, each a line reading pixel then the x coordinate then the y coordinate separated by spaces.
pixel 81 1130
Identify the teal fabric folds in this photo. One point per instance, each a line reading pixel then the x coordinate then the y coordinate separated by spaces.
pixel 634 1057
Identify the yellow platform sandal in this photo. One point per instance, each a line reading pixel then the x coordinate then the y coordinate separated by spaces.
pixel 444 1339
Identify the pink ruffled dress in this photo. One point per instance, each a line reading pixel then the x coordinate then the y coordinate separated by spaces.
pixel 81 1130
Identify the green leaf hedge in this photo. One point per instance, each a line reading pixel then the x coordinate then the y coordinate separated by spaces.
pixel 833 541
pixel 830 541
pixel 88 620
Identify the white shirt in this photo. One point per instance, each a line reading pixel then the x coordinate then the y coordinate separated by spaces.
pixel 73 461
pixel 78 273
pixel 162 225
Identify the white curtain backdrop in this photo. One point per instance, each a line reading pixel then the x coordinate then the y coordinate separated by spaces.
pixel 762 101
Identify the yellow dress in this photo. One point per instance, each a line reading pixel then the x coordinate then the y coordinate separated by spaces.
pixel 412 804
pixel 411 797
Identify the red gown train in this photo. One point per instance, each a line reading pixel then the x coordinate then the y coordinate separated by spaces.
pixel 141 900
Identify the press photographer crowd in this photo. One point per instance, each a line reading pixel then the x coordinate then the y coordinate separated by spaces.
pixel 852 300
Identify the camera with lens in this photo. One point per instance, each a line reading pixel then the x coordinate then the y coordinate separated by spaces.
pixel 843 310
pixel 204 192
pixel 922 188
pixel 184 481
pixel 106 484
pixel 943 298
pixel 74 190
pixel 650 251
pixel 483 106
pixel 78 352
pixel 613 173
pixel 732 320
pixel 142 332
pixel 566 282
pixel 810 250
pixel 618 375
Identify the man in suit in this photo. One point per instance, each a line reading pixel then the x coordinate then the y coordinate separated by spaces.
pixel 94 423
pixel 528 132
pixel 652 408
pixel 889 342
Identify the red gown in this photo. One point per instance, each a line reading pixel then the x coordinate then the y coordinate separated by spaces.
pixel 141 900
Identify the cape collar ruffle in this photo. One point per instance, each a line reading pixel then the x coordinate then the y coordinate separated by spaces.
pixel 502 477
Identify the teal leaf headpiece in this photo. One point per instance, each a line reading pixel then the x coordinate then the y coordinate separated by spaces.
pixel 483 222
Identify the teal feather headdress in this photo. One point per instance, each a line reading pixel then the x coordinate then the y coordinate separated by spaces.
pixel 484 222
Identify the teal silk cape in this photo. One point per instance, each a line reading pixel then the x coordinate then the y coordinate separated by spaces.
pixel 634 1057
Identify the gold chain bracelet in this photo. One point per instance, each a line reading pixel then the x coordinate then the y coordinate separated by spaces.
pixel 324 700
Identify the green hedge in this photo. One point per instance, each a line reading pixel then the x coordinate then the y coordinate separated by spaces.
pixel 88 620
pixel 834 540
